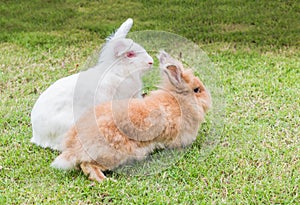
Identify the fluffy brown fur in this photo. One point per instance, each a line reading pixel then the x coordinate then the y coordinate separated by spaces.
pixel 115 132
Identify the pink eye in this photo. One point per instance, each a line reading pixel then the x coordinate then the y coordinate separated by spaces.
pixel 130 54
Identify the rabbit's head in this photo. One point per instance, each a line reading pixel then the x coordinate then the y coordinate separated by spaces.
pixel 124 52
pixel 130 55
pixel 183 82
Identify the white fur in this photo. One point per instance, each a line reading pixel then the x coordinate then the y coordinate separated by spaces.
pixel 116 76
pixel 61 163
pixel 122 31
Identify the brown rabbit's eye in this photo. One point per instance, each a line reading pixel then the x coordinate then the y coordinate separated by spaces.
pixel 197 90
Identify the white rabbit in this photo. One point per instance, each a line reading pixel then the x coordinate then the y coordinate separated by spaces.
pixel 115 132
pixel 117 75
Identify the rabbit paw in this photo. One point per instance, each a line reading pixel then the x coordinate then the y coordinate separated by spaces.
pixel 93 171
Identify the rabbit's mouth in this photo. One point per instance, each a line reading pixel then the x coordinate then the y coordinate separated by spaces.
pixel 147 67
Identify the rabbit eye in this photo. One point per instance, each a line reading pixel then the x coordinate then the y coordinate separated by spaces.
pixel 197 90
pixel 130 54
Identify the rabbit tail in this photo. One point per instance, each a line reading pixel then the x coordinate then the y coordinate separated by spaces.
pixel 65 161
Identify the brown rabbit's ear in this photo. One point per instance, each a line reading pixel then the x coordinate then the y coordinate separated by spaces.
pixel 174 74
pixel 163 57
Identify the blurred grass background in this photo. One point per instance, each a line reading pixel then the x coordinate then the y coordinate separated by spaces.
pixel 256 23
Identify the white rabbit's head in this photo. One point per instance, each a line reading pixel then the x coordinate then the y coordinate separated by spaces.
pixel 130 55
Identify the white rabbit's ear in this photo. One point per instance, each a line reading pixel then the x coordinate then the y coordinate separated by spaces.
pixel 122 31
pixel 174 74
pixel 120 47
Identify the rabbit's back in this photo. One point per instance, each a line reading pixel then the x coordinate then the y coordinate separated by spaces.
pixel 53 107
pixel 116 132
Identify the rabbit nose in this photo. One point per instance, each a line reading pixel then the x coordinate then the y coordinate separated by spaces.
pixel 150 63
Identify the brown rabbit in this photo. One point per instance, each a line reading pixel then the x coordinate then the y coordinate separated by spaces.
pixel 113 133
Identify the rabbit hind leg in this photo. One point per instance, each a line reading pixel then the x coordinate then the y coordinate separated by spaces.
pixel 93 171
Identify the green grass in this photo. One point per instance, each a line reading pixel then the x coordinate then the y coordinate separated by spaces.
pixel 253 44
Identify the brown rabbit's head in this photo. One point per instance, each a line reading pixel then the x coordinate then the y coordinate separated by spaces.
pixel 182 81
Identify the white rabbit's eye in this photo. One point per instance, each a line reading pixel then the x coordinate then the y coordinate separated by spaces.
pixel 130 54
pixel 197 90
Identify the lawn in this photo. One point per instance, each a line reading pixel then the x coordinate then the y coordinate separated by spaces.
pixel 254 47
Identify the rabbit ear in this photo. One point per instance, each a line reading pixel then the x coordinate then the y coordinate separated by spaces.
pixel 121 46
pixel 172 68
pixel 122 30
pixel 174 74
pixel 163 57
